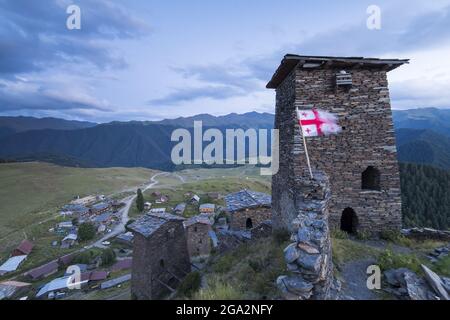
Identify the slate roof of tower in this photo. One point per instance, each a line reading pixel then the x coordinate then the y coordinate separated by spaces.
pixel 290 61
pixel 151 222
pixel 246 199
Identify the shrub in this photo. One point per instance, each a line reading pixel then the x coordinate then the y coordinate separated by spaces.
pixel 363 235
pixel 281 235
pixel 390 235
pixel 338 234
pixel 86 231
pixel 442 266
pixel 218 290
pixel 223 264
pixel 190 284
pixel 391 260
pixel 108 257
pixel 85 257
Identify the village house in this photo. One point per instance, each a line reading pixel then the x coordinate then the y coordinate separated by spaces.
pixel 12 264
pixel 100 208
pixel 125 238
pixel 179 209
pixel 248 209
pixel 157 210
pixel 147 205
pixel 11 289
pixel 115 282
pixel 207 208
pixel 69 241
pixel 160 255
pixel 124 264
pixel 195 199
pixel 43 271
pixel 74 210
pixel 198 235
pixel 23 249
pixel 213 195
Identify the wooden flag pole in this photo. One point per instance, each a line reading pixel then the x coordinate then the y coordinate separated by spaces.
pixel 304 144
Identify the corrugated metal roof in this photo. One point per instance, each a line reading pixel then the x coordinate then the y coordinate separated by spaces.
pixel 290 61
pixel 12 264
pixel 43 270
pixel 114 282
pixel 247 199
pixel 25 247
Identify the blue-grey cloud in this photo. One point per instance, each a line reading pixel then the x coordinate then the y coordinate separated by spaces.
pixel 429 29
pixel 33 34
pixel 26 95
pixel 191 94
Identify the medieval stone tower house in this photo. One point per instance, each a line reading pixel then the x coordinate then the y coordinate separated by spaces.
pixel 361 161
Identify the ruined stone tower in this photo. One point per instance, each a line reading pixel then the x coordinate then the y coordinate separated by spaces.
pixel 361 161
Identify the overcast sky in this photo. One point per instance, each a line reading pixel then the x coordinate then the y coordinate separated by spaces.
pixel 148 60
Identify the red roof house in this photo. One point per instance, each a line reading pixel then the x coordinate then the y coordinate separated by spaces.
pixel 23 249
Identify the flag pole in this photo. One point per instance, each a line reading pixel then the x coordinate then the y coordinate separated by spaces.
pixel 304 144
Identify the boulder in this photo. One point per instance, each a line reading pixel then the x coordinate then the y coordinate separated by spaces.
pixel 435 282
pixel 291 253
pixel 310 262
pixel 308 248
pixel 295 285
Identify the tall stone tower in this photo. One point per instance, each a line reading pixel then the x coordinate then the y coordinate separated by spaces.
pixel 361 161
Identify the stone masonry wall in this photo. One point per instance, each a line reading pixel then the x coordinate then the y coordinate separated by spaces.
pixel 198 240
pixel 367 140
pixel 167 244
pixel 308 257
pixel 238 219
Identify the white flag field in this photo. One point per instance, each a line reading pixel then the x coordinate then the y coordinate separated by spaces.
pixel 316 122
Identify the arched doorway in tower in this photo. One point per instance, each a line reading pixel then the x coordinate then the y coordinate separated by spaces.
pixel 349 221
pixel 249 223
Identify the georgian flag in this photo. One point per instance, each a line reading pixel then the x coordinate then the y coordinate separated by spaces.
pixel 317 122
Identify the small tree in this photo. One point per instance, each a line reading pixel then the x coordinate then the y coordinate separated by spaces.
pixel 108 257
pixel 140 200
pixel 86 231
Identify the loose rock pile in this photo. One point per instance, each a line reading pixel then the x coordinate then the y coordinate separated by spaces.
pixel 308 257
pixel 407 285
pixel 426 233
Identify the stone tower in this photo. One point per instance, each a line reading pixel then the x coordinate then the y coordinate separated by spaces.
pixel 361 161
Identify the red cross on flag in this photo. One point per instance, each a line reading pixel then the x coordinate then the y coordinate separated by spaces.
pixel 317 122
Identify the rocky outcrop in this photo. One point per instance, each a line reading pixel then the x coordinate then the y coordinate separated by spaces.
pixel 407 285
pixel 308 257
pixel 426 233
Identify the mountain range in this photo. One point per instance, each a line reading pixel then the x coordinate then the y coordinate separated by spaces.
pixel 423 136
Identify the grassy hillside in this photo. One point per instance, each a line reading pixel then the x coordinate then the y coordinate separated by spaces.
pixel 30 193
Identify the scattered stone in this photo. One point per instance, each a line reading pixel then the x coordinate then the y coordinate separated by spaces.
pixel 446 284
pixel 294 286
pixel 308 248
pixel 435 282
pixel 416 287
pixel 291 253
pixel 303 235
pixel 310 262
pixel 395 277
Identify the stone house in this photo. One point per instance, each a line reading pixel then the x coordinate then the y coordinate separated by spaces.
pixel 207 208
pixel 248 209
pixel 160 255
pixel 198 235
pixel 361 161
